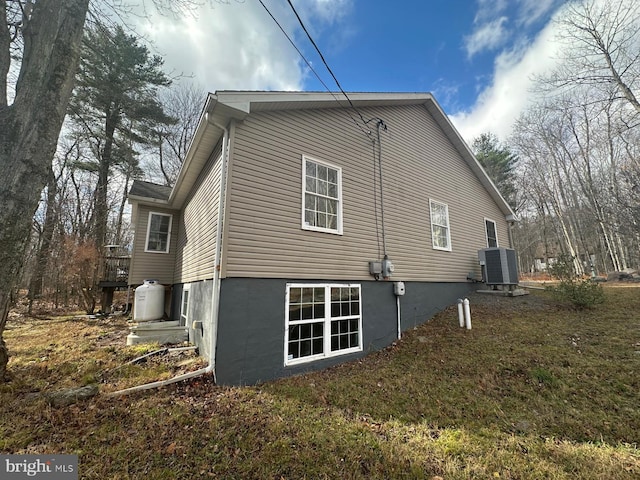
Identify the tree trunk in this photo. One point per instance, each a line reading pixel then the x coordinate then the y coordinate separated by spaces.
pixel 42 255
pixel 29 130
pixel 101 207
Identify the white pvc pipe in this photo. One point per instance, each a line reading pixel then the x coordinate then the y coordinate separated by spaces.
pixel 467 314
pixel 460 313
pixel 162 383
pixel 399 326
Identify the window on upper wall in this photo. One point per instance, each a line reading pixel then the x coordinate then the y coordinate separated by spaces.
pixel 158 233
pixel 321 196
pixel 440 231
pixel 492 233
pixel 322 320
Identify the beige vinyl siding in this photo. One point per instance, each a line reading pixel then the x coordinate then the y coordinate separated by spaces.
pixel 198 223
pixel 265 238
pixel 151 265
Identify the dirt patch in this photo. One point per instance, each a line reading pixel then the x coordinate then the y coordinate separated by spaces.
pixel 536 300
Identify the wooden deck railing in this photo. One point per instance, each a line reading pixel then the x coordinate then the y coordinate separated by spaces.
pixel 115 268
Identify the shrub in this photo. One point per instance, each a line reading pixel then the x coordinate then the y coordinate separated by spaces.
pixel 581 293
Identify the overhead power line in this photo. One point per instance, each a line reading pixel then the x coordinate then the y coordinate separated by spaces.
pixel 361 127
pixel 325 62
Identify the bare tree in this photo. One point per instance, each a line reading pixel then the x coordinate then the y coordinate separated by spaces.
pixel 184 103
pixel 601 43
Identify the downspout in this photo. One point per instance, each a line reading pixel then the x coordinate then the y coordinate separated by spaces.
pixel 215 296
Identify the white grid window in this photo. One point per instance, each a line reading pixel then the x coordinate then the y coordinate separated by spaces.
pixel 322 321
pixel 158 232
pixel 440 231
pixel 492 233
pixel 321 196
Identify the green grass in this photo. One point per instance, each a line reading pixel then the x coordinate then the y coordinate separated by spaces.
pixel 533 391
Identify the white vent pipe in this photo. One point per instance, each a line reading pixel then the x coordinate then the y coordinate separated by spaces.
pixel 467 314
pixel 460 313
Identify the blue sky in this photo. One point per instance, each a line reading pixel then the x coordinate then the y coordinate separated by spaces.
pixel 477 56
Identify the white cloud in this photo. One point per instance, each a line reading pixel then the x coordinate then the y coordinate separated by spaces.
pixel 237 46
pixel 533 10
pixel 329 11
pixel 489 9
pixel 502 102
pixel 488 36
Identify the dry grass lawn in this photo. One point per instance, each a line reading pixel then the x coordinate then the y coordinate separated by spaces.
pixel 533 391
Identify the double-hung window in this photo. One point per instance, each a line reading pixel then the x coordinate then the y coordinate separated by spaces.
pixel 492 233
pixel 158 232
pixel 321 196
pixel 440 231
pixel 322 320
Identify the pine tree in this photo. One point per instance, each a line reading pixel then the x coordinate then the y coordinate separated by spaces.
pixel 115 106
pixel 499 162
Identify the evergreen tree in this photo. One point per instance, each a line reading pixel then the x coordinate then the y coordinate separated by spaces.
pixel 499 162
pixel 115 106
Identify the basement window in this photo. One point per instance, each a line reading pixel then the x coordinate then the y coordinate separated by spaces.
pixel 440 231
pixel 184 304
pixel 158 233
pixel 321 196
pixel 322 321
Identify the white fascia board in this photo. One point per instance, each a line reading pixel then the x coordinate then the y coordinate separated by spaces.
pixel 195 141
pixel 146 200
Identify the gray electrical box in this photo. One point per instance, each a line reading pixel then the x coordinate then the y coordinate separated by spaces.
pixel 375 268
pixel 398 288
pixel 387 267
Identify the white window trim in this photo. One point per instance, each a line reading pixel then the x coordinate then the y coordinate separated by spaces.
pixel 448 226
pixel 495 229
pixel 303 224
pixel 327 323
pixel 185 315
pixel 146 241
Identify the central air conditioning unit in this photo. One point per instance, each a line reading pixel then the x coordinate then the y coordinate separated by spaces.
pixel 499 266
